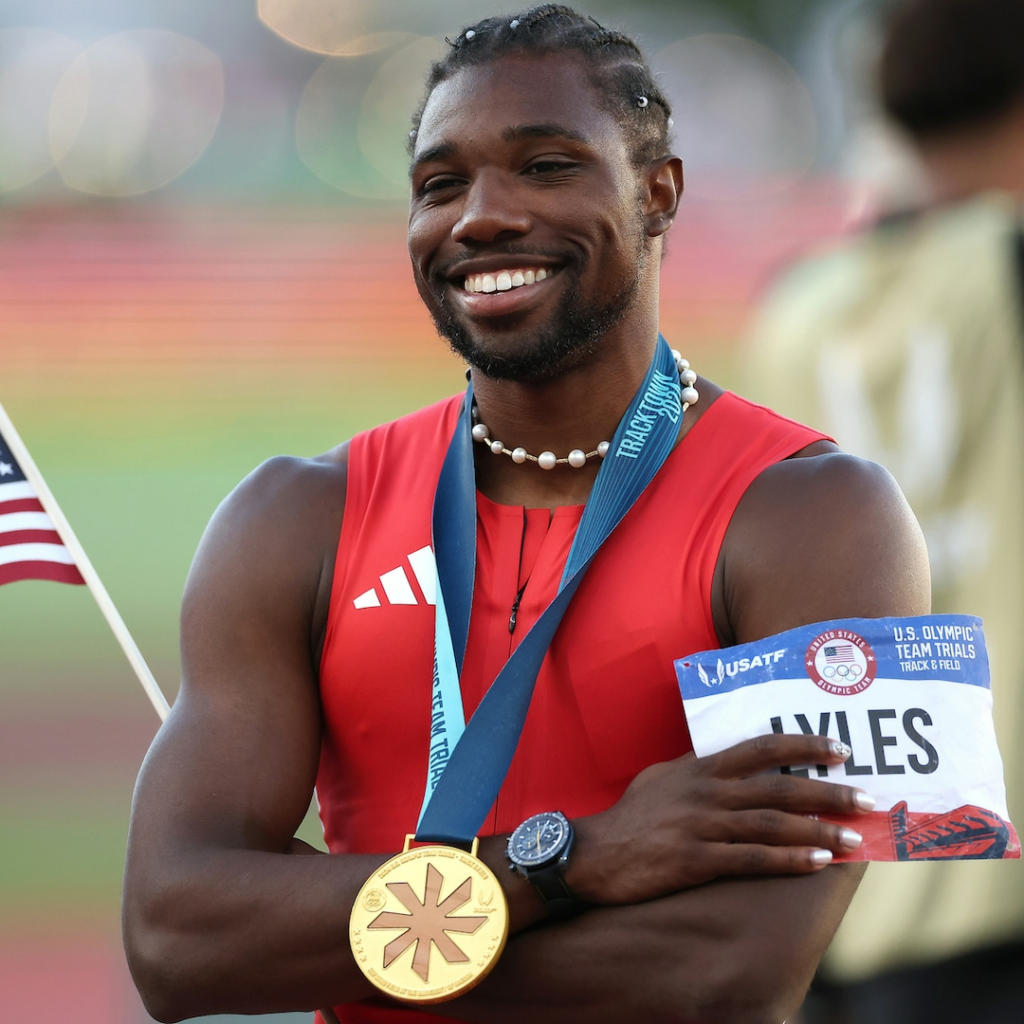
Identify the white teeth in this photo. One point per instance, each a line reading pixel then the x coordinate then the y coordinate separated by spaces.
pixel 503 280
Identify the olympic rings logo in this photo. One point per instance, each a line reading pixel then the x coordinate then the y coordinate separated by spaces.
pixel 849 672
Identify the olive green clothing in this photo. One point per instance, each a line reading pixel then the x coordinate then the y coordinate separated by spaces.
pixel 906 344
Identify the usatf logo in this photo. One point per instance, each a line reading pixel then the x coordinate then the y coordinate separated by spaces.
pixel 709 680
pixel 841 662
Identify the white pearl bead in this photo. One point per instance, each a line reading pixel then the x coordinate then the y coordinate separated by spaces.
pixel 602 448
pixel 676 355
pixel 519 455
pixel 682 364
pixel 497 447
pixel 480 432
pixel 690 396
pixel 547 460
pixel 577 458
pixel 688 377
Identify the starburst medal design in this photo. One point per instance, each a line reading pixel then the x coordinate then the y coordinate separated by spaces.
pixel 429 924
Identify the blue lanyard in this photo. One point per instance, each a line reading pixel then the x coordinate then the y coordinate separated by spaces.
pixel 468 763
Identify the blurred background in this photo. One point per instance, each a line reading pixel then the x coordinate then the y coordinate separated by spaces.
pixel 202 264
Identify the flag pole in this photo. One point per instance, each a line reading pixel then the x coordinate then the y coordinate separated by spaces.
pixel 85 567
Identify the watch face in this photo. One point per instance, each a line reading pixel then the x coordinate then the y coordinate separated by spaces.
pixel 538 839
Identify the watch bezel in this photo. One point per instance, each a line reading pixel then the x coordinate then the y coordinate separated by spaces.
pixel 549 856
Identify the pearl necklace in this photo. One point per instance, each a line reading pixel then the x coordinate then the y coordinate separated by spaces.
pixel 578 458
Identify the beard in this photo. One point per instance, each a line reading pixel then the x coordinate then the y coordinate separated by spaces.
pixel 571 336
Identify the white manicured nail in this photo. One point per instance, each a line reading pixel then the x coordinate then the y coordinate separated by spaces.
pixel 850 839
pixel 822 857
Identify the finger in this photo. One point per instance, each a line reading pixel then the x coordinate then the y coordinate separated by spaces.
pixel 775 750
pixel 795 794
pixel 759 859
pixel 777 828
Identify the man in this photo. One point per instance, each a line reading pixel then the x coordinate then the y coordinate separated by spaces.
pixel 906 343
pixel 542 187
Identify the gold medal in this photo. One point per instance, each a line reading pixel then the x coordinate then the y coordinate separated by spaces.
pixel 429 924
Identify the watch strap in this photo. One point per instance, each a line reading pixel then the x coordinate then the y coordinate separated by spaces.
pixel 554 891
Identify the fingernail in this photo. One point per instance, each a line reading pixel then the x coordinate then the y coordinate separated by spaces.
pixel 865 801
pixel 822 857
pixel 850 839
pixel 840 749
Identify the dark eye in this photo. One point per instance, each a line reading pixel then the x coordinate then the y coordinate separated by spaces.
pixel 438 184
pixel 550 167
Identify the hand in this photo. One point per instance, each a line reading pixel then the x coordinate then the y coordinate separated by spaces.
pixel 684 822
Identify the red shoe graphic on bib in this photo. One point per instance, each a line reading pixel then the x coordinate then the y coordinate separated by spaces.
pixel 967 833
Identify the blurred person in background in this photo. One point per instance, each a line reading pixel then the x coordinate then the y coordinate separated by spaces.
pixel 906 344
pixel 695 890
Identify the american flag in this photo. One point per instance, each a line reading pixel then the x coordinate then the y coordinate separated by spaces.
pixel 30 547
pixel 838 653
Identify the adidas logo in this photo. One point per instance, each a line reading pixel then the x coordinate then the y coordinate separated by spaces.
pixel 396 586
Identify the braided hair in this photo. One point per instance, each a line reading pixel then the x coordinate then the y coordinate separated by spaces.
pixel 618 70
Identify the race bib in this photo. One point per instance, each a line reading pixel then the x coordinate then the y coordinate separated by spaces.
pixel 910 696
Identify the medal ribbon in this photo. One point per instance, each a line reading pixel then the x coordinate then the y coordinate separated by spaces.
pixel 468 763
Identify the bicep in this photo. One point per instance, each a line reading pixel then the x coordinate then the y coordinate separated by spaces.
pixel 819 538
pixel 235 763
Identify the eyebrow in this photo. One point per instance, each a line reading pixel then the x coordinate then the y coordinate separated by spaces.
pixel 542 131
pixel 516 133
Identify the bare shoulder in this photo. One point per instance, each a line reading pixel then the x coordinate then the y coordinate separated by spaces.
pixel 267 556
pixel 285 496
pixel 821 535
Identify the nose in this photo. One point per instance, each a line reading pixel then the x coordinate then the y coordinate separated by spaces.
pixel 491 211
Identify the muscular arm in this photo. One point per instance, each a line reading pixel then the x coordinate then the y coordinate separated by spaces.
pixel 219 918
pixel 216 917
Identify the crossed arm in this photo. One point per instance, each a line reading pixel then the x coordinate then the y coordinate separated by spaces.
pixel 710 904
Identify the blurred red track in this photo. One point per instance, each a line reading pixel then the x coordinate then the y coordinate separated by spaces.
pixel 186 285
pixel 78 978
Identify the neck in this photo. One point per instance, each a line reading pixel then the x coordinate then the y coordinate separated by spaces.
pixel 987 158
pixel 578 410
pixel 549 479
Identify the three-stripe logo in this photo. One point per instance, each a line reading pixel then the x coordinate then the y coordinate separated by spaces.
pixel 397 587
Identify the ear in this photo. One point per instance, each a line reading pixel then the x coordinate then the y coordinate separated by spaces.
pixel 664 188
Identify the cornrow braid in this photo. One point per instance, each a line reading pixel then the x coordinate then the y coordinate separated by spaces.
pixel 618 70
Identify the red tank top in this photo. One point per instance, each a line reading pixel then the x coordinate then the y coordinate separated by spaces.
pixel 606 704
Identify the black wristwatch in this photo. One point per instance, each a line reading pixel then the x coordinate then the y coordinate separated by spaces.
pixel 539 850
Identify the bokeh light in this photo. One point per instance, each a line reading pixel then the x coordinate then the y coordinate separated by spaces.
pixel 324 26
pixel 135 111
pixel 391 98
pixel 351 134
pixel 32 63
pixel 744 122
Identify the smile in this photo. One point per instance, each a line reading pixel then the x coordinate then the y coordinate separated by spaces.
pixel 504 280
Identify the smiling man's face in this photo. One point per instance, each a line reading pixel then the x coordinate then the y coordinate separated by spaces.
pixel 526 227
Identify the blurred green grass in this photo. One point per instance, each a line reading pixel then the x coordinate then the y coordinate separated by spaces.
pixel 139 462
